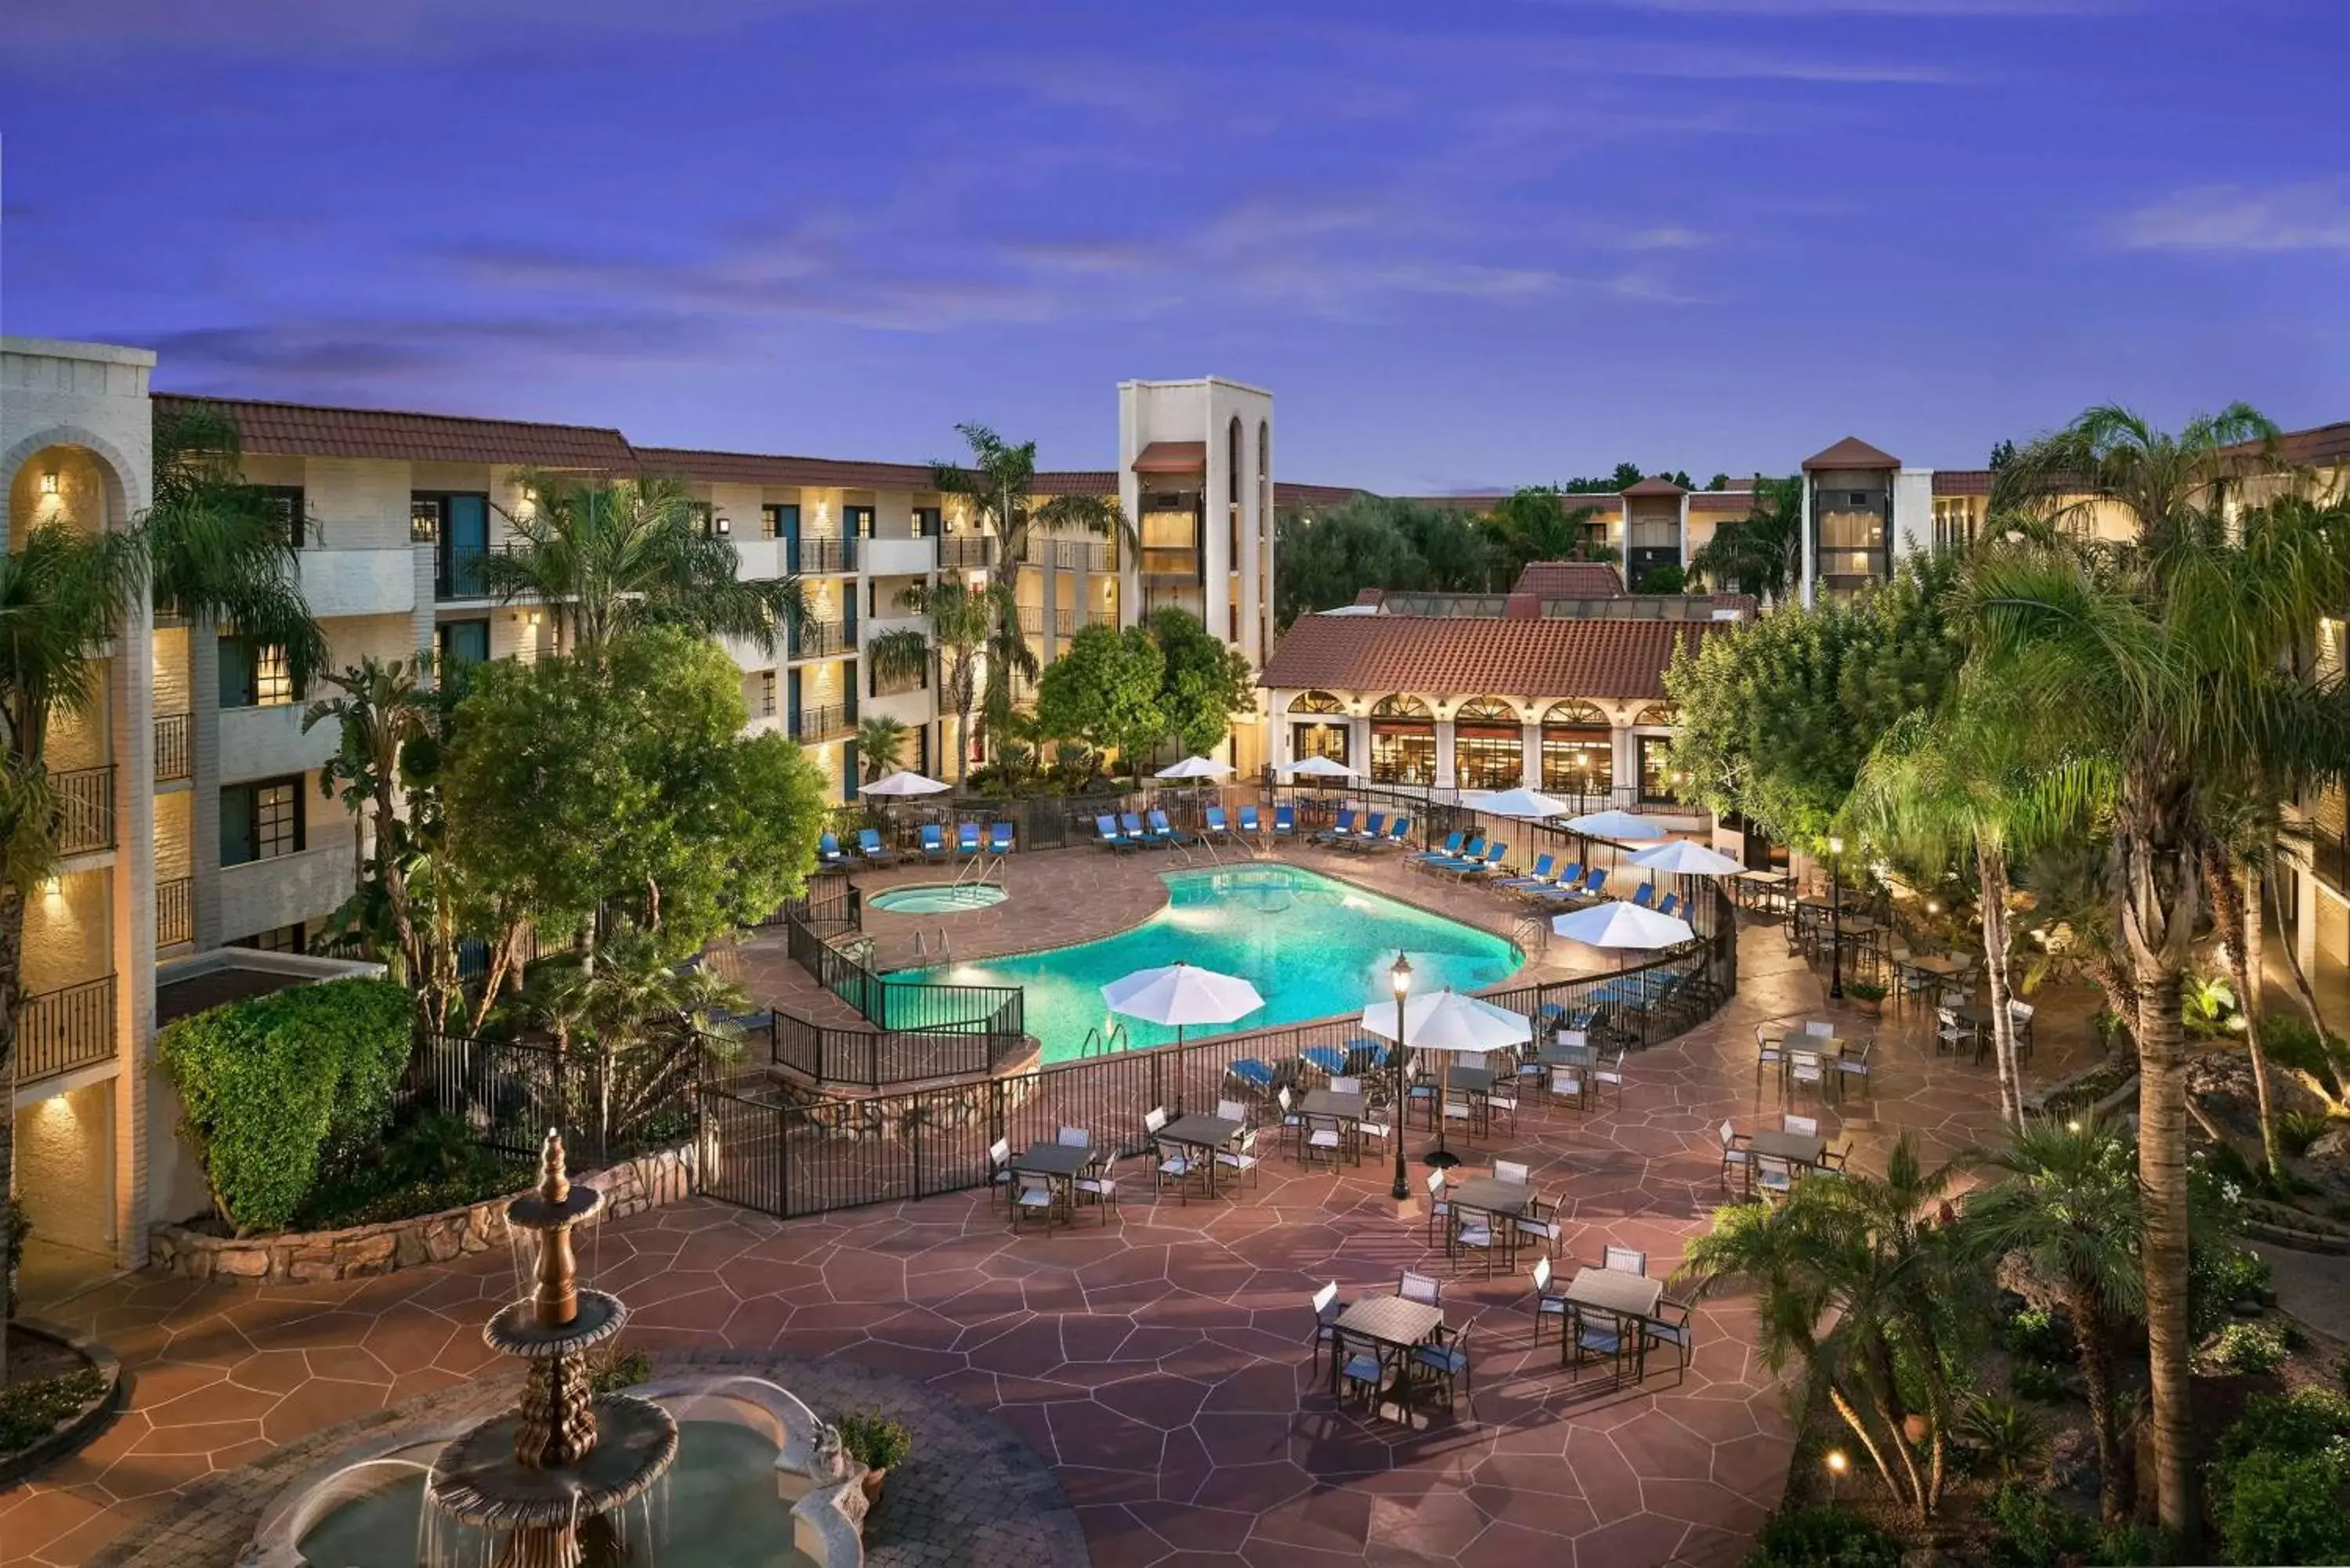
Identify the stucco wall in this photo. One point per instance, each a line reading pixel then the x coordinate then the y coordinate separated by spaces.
pixel 65 1166
pixel 69 933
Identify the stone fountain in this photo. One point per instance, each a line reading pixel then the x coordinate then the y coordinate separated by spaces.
pixel 551 1478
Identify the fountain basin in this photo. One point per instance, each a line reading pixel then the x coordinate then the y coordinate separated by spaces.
pixel 753 1484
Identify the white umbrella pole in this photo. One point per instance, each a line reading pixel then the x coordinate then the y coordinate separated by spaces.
pixel 1442 1157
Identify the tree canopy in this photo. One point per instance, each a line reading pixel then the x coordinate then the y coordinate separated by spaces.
pixel 1104 691
pixel 1203 684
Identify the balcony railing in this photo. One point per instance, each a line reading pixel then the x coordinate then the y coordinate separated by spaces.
pixel 58 1031
pixel 85 810
pixel 819 554
pixel 821 639
pixel 828 722
pixel 962 552
pixel 175 911
pixel 1064 624
pixel 1032 620
pixel 176 747
pixel 457 571
pixel 1081 555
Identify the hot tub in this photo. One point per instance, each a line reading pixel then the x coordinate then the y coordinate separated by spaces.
pixel 937 899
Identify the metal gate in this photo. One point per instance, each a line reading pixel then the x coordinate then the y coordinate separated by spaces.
pixel 785 1156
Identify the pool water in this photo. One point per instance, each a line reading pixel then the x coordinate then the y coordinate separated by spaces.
pixel 937 899
pixel 1311 946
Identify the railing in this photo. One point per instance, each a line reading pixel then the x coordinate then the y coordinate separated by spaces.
pixel 828 722
pixel 58 1031
pixel 2329 857
pixel 175 911
pixel 821 554
pixel 457 570
pixel 822 638
pixel 965 552
pixel 1032 620
pixel 905 1006
pixel 1078 555
pixel 84 809
pixel 510 1092
pixel 1064 624
pixel 176 747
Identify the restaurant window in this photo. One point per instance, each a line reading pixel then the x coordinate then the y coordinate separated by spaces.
pixel 1403 741
pixel 1658 783
pixel 1317 727
pixel 260 821
pixel 1488 750
pixel 1579 750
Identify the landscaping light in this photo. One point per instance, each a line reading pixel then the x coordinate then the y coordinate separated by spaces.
pixel 1837 1461
pixel 2074 1126
pixel 1836 845
pixel 50 482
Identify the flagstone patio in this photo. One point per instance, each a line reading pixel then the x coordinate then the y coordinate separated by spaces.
pixel 1159 1362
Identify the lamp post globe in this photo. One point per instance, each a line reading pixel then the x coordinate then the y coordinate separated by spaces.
pixel 1399 976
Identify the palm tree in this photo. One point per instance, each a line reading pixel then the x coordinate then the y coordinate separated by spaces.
pixel 1853 1280
pixel 605 555
pixel 880 738
pixel 1981 773
pixel 2171 652
pixel 381 709
pixel 2066 1198
pixel 961 618
pixel 1762 553
pixel 1534 525
pixel 999 482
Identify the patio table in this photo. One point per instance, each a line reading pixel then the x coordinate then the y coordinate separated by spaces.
pixel 1062 1162
pixel 1346 1109
pixel 1807 1149
pixel 1390 1322
pixel 1978 1018
pixel 1204 1133
pixel 1612 1290
pixel 1500 1202
pixel 1942 966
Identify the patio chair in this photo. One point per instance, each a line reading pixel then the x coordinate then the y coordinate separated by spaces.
pixel 1284 822
pixel 1130 822
pixel 876 852
pixel 1734 1155
pixel 1442 1358
pixel 1773 1177
pixel 1153 1121
pixel 1249 827
pixel 828 852
pixel 1107 834
pixel 1595 1335
pixel 967 840
pixel 933 844
pixel 1770 1051
pixel 1804 1068
pixel 1439 1211
pixel 999 1164
pixel 1460 1107
pixel 1217 830
pixel 1548 1303
pixel 1502 1100
pixel 1514 1171
pixel 1327 1309
pixel 1540 1222
pixel 1820 1028
pixel 1370 1128
pixel 2019 1018
pixel 999 838
pixel 1802 1127
pixel 1291 1122
pixel 1950 1034
pixel 1242 1159
pixel 1165 832
pixel 1355 1367
pixel 1644 897
pixel 1073 1137
pixel 1853 1065
pixel 1174 1163
pixel 1034 1197
pixel 1605 1077
pixel 1343 828
pixel 1397 834
pixel 1341 1084
pixel 1623 1261
pixel 1571 1084
pixel 1414 1287
pixel 1421 1092
pixel 1452 842
pixel 1101 1187
pixel 1540 876
pixel 1232 1111
pixel 1672 1325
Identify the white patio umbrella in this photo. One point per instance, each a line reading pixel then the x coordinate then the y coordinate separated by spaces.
pixel 1623 825
pixel 1617 924
pixel 902 782
pixel 1195 768
pixel 1688 857
pixel 1181 994
pixel 1530 804
pixel 1319 768
pixel 1449 1024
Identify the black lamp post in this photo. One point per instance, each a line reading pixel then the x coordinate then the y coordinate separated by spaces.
pixel 1400 977
pixel 1835 920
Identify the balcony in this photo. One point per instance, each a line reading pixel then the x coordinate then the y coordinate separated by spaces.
pixel 176 747
pixel 358 582
pixel 457 571
pixel 818 556
pixel 823 638
pixel 175 911
pixel 909 557
pixel 830 722
pixel 62 1030
pixel 85 810
pixel 1032 620
pixel 966 552
pixel 263 741
pixel 1172 563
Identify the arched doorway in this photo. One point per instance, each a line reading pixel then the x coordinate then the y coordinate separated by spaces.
pixel 1488 747
pixel 1318 728
pixel 1578 753
pixel 1403 742
pixel 1652 754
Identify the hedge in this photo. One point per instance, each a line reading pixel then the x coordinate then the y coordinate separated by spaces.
pixel 285 1089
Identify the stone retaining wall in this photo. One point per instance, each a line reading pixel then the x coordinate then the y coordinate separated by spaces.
pixel 647 1181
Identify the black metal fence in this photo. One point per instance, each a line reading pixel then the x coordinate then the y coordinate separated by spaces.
pixel 510 1092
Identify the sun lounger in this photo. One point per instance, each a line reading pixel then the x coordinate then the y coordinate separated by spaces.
pixel 1165 832
pixel 1452 842
pixel 1343 831
pixel 1329 1058
pixel 869 846
pixel 1397 835
pixel 967 838
pixel 1256 1074
pixel 1284 822
pixel 1545 866
pixel 1218 829
pixel 1249 825
pixel 934 843
pixel 1644 897
pixel 999 839
pixel 828 852
pixel 1106 835
pixel 1130 824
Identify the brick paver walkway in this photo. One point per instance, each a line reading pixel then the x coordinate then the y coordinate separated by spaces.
pixel 1159 1362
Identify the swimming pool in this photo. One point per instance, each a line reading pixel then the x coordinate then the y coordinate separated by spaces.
pixel 1311 946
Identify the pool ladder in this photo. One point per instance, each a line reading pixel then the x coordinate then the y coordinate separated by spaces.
pixel 982 869
pixel 1098 1044
pixel 935 952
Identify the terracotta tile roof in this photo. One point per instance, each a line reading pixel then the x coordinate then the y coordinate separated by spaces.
pixel 1454 657
pixel 1740 502
pixel 1569 580
pixel 755 468
pixel 1173 457
pixel 1369 595
pixel 306 430
pixel 1285 494
pixel 2326 446
pixel 1655 485
pixel 1962 482
pixel 1851 453
pixel 1077 482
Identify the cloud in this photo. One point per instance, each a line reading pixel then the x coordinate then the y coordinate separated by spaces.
pixel 2312 216
pixel 374 30
pixel 350 353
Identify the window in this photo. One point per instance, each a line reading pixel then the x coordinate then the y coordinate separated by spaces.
pixel 253 675
pixel 1579 750
pixel 285 503
pixel 1482 761
pixel 780 522
pixel 1315 703
pixel 857 522
pixel 1659 785
pixel 283 939
pixel 464 642
pixel 1403 741
pixel 1318 741
pixel 929 521
pixel 766 694
pixel 260 821
pixel 1658 713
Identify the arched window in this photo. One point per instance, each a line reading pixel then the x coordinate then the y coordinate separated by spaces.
pixel 1578 755
pixel 1237 456
pixel 1488 752
pixel 1315 703
pixel 1658 713
pixel 1264 449
pixel 1485 710
pixel 1400 708
pixel 1403 741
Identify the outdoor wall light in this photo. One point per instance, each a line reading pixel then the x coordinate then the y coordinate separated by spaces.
pixel 725 526
pixel 50 482
pixel 54 888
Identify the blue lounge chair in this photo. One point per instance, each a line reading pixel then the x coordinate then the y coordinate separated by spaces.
pixel 1644 897
pixel 869 846
pixel 1284 822
pixel 1130 824
pixel 1545 866
pixel 1218 829
pixel 1670 904
pixel 1399 834
pixel 999 839
pixel 1452 842
pixel 1164 830
pixel 1249 824
pixel 1107 833
pixel 1253 1072
pixel 934 843
pixel 1329 1058
pixel 1343 830
pixel 828 852
pixel 1374 832
pixel 1491 865
pixel 1469 851
pixel 967 838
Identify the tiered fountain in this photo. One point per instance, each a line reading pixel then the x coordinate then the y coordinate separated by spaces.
pixel 571 1480
pixel 551 1481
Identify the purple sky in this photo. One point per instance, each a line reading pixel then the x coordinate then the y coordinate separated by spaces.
pixel 1466 245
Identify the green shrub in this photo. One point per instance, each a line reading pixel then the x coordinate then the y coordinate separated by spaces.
pixel 613 1368
pixel 2035 1335
pixel 2296 1130
pixel 2250 1347
pixel 432 1164
pixel 2342 1372
pixel 280 1089
pixel 2127 1545
pixel 1823 1537
pixel 2032 1529
pixel 2287 1039
pixel 2276 1507
pixel 2308 1422
pixel 2218 1277
pixel 2037 1380
pixel 15 1226
pixel 2003 1434
pixel 30 1410
pixel 874 1439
